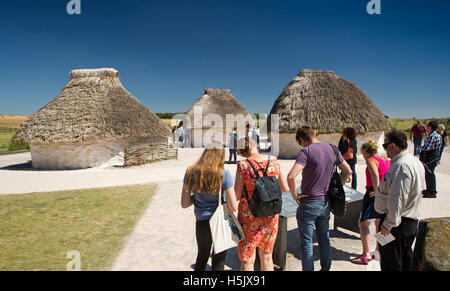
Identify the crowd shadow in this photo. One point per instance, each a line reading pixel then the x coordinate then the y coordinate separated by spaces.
pixel 293 248
pixel 293 245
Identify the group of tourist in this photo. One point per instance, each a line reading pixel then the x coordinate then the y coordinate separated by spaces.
pixel 403 205
pixel 419 131
pixel 252 133
pixel 207 178
pixel 394 190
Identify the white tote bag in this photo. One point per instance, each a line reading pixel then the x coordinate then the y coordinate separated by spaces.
pixel 226 231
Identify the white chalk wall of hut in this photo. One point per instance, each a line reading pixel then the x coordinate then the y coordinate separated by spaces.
pixel 77 156
pixel 101 154
pixel 289 148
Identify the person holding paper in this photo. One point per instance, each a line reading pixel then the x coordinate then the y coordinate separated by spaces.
pixel 399 198
pixel 377 166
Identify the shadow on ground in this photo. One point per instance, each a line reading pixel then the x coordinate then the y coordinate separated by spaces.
pixel 293 249
pixel 19 167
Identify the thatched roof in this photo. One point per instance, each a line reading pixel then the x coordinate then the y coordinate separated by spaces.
pixel 327 103
pixel 93 105
pixel 217 101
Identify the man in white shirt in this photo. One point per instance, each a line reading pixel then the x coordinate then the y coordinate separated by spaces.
pixel 399 198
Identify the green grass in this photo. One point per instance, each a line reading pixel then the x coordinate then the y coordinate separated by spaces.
pixel 37 230
pixel 6 133
pixel 405 125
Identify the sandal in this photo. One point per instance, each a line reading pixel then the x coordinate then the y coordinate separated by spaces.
pixel 361 260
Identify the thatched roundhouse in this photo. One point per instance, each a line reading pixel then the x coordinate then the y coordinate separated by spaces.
pixel 216 105
pixel 95 122
pixel 327 103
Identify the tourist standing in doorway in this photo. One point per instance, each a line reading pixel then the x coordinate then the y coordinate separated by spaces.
pixel 316 161
pixel 443 133
pixel 377 166
pixel 399 198
pixel 348 147
pixel 203 182
pixel 181 134
pixel 258 137
pixel 429 155
pixel 416 136
pixel 260 233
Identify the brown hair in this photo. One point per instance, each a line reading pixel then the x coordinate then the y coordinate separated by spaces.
pixel 350 133
pixel 370 147
pixel 206 175
pixel 306 133
pixel 245 145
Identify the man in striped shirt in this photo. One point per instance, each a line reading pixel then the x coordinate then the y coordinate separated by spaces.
pixel 429 155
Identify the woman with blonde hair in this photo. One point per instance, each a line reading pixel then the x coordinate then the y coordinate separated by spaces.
pixel 203 182
pixel 377 166
pixel 259 232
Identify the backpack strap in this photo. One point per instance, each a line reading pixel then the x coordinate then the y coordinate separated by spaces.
pixel 246 193
pixel 256 171
pixel 268 163
pixel 336 159
pixel 253 167
pixel 336 155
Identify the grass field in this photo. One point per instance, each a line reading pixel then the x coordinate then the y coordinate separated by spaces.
pixel 38 230
pixel 405 125
pixel 6 133
pixel 14 121
pixel 9 124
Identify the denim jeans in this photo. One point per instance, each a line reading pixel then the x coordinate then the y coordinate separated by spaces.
pixel 233 153
pixel 354 176
pixel 316 214
pixel 417 144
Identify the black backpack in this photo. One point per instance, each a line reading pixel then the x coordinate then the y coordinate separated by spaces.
pixel 336 193
pixel 267 197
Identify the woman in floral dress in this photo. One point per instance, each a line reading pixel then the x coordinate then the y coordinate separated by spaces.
pixel 259 232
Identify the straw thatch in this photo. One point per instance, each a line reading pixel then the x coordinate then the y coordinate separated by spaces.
pixel 94 105
pixel 327 103
pixel 214 124
pixel 217 101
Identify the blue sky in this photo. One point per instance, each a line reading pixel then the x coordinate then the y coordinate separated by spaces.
pixel 168 51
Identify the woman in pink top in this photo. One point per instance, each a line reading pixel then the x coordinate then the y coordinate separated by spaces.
pixel 377 166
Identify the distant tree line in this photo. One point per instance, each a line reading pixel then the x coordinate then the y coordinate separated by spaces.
pixel 168 115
